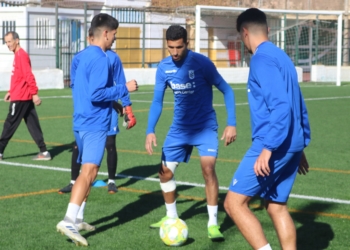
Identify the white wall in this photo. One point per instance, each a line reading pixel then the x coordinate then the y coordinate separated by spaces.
pixel 321 73
pixel 45 79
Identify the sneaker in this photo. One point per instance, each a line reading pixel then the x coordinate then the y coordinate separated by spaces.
pixel 112 188
pixel 71 231
pixel 41 157
pixel 214 233
pixel 85 226
pixel 159 223
pixel 66 189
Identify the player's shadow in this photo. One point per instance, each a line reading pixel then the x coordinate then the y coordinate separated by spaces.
pixel 132 211
pixel 313 234
pixel 137 173
pixel 54 151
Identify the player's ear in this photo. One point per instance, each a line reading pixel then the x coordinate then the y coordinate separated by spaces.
pixel 105 33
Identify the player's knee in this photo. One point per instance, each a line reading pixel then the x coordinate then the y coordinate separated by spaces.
pixel 171 165
pixel 276 209
pixel 167 170
pixel 89 171
pixel 168 186
pixel 227 206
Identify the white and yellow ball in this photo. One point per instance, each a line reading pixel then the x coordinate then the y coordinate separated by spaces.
pixel 173 232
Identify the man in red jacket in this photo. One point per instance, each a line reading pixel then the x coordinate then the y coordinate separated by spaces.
pixel 22 96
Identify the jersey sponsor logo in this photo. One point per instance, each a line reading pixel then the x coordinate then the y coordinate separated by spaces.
pixel 191 74
pixel 183 92
pixel 170 71
pixel 181 86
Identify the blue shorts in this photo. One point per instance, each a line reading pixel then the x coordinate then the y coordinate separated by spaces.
pixel 275 187
pixel 113 130
pixel 91 146
pixel 179 143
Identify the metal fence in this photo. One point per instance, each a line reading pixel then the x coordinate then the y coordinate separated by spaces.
pixel 140 39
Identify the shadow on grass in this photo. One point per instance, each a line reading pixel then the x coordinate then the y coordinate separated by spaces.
pixel 312 234
pixel 132 211
pixel 54 151
pixel 144 171
pixel 195 209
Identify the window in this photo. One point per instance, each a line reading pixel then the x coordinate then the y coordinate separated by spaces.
pixel 43 34
pixel 6 27
pixel 128 15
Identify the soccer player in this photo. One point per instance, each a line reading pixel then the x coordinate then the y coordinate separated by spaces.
pixel 280 132
pixel 23 95
pixel 191 77
pixel 93 92
pixel 112 156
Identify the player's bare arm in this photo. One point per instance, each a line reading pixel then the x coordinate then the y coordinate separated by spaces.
pixel 261 166
pixel 303 165
pixel 229 135
pixel 36 100
pixel 7 97
pixel 150 140
pixel 132 85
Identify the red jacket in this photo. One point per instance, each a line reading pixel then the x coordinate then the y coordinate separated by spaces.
pixel 23 84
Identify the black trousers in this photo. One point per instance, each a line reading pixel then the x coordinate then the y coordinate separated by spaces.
pixel 17 111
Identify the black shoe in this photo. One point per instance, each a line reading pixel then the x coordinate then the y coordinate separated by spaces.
pixel 66 189
pixel 112 188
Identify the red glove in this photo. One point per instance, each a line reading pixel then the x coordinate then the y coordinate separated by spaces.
pixel 129 118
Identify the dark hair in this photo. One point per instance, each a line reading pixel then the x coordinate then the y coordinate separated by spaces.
pixel 251 16
pixel 176 32
pixel 90 32
pixel 103 20
pixel 14 34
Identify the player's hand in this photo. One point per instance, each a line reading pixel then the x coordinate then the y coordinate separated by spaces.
pixel 118 108
pixel 229 135
pixel 132 85
pixel 7 97
pixel 36 100
pixel 261 166
pixel 129 118
pixel 303 165
pixel 150 140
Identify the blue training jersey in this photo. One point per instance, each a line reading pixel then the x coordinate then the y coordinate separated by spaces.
pixel 279 117
pixel 119 77
pixel 120 81
pixel 191 81
pixel 93 90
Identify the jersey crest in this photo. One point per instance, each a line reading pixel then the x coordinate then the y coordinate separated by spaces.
pixel 191 74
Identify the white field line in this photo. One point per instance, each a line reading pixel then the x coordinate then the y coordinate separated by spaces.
pixel 297 196
pixel 245 103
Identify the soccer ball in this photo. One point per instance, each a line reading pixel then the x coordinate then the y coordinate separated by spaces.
pixel 173 232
